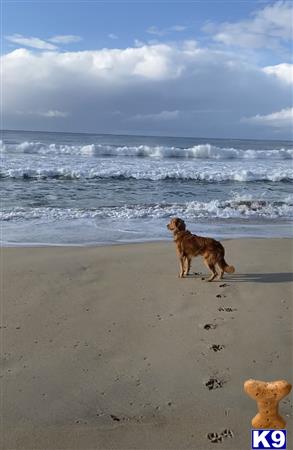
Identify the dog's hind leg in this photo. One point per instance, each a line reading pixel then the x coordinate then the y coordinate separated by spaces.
pixel 212 268
pixel 222 270
pixel 220 277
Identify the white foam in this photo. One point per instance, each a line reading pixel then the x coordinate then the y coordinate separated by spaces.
pixel 154 173
pixel 234 208
pixel 204 151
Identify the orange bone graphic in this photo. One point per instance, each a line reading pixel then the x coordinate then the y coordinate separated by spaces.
pixel 267 395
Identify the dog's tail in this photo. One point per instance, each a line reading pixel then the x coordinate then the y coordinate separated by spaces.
pixel 229 269
pixel 226 267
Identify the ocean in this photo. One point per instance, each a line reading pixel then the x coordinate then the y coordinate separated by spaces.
pixel 88 189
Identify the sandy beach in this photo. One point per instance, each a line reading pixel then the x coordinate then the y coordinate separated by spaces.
pixel 106 348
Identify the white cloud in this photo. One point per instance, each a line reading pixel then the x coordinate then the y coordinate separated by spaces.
pixel 178 28
pixel 139 43
pixel 190 90
pixel 173 115
pixel 54 113
pixel 162 115
pixel 156 31
pixel 279 119
pixel 65 39
pixel 112 36
pixel 268 28
pixel 151 62
pixel 282 71
pixel 32 42
pixel 162 32
pixel 50 114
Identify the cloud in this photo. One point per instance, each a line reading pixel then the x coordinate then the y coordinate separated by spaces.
pixel 65 39
pixel 156 31
pixel 175 88
pixel 40 44
pixel 268 28
pixel 139 43
pixel 50 114
pixel 32 42
pixel 178 28
pixel 54 113
pixel 282 71
pixel 279 119
pixel 162 115
pixel 162 32
pixel 112 36
pixel 173 115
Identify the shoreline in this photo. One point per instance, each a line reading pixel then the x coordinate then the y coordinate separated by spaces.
pixel 105 347
pixel 125 243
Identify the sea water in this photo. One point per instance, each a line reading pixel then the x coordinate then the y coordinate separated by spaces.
pixel 88 189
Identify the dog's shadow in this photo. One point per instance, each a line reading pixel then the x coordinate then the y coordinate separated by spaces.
pixel 281 277
pixel 274 277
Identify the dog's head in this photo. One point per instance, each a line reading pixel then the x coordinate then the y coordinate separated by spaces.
pixel 176 224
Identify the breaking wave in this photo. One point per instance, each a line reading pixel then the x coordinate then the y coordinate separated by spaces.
pixel 203 151
pixel 235 208
pixel 152 173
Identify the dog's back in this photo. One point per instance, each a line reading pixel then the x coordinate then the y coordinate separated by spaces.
pixel 194 245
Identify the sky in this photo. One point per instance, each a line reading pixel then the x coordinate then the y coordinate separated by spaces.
pixel 175 68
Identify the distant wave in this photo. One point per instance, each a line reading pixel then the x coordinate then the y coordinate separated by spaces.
pixel 153 174
pixel 234 208
pixel 204 151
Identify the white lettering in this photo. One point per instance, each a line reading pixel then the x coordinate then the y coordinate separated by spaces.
pixel 260 437
pixel 279 438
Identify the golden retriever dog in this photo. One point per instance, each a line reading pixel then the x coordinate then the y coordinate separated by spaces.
pixel 189 245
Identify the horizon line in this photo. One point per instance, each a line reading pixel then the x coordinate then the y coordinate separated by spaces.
pixel 146 135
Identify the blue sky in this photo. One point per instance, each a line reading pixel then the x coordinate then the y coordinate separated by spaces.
pixel 119 23
pixel 207 68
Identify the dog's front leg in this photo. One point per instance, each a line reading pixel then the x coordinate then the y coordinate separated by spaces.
pixel 181 266
pixel 188 261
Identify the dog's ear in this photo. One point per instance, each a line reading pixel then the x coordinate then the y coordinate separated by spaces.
pixel 180 224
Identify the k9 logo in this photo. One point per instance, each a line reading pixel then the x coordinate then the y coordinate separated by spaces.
pixel 270 439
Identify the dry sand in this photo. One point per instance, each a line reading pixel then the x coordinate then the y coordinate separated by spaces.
pixel 105 348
